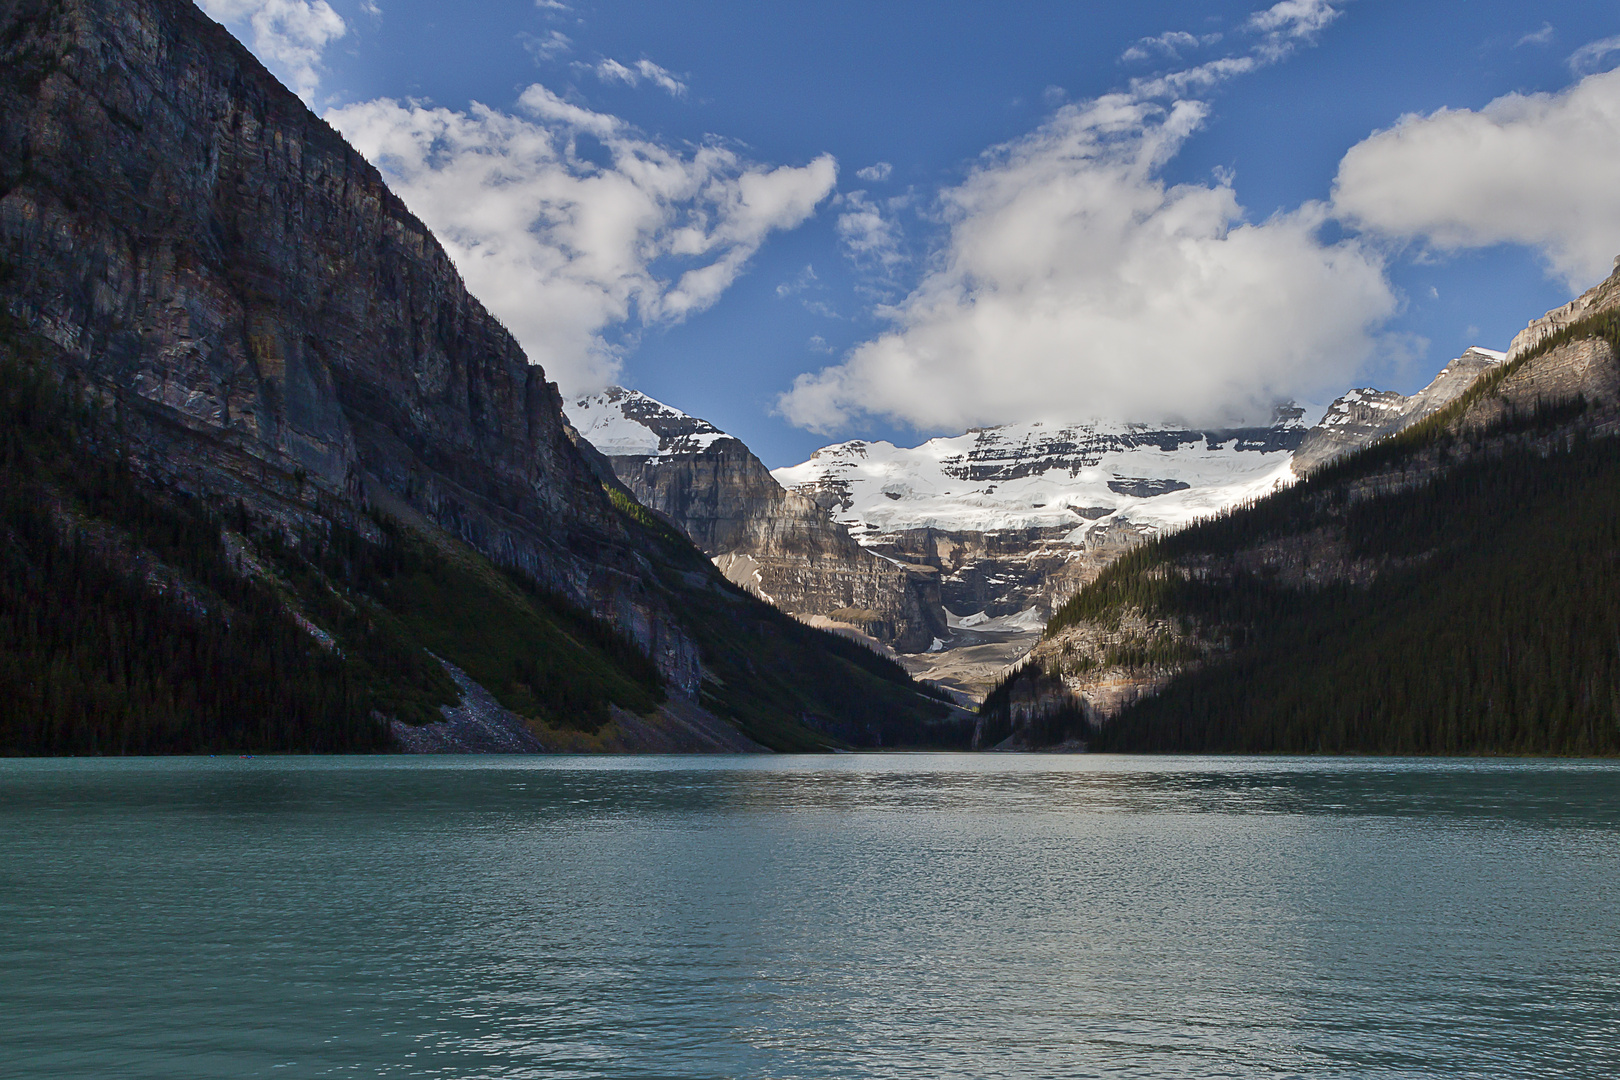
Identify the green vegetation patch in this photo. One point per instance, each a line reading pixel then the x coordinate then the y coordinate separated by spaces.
pixel 540 656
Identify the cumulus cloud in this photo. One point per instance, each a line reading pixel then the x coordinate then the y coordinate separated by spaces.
pixel 875 173
pixel 611 70
pixel 288 35
pixel 1075 283
pixel 1532 169
pixel 565 250
pixel 1594 56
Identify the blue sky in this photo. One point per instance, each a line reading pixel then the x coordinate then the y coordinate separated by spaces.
pixel 893 220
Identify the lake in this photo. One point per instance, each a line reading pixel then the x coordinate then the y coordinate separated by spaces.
pixel 928 915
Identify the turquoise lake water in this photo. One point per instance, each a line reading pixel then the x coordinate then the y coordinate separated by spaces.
pixel 925 916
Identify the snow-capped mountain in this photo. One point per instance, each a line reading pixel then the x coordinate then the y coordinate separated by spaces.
pixel 628 423
pixel 1360 417
pixel 1019 516
pixel 1075 477
pixel 973 538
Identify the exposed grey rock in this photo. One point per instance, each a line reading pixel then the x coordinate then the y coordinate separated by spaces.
pixel 479 725
pixel 778 544
pixel 1142 488
pixel 1604 296
pixel 1361 417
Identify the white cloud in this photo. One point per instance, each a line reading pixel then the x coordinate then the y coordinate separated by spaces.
pixel 1167 44
pixel 800 282
pixel 610 70
pixel 1593 56
pixel 1276 32
pixel 1076 283
pixel 875 173
pixel 288 35
pixel 871 239
pixel 553 45
pixel 1290 23
pixel 564 250
pixel 1537 170
pixel 1537 37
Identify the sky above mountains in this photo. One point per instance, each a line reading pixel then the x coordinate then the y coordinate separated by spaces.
pixel 903 219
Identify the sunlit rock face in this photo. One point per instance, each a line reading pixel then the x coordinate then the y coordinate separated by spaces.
pixel 776 543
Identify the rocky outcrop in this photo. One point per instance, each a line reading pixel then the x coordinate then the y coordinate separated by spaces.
pixel 1604 296
pixel 1361 417
pixel 775 543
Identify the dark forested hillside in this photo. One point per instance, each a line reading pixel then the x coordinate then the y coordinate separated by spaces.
pixel 1501 636
pixel 1453 589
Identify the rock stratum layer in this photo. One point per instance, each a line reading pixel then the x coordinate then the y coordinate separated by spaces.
pixel 778 544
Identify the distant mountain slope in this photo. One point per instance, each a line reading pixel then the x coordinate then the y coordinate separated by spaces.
pixel 776 543
pixel 1450 589
pixel 270 338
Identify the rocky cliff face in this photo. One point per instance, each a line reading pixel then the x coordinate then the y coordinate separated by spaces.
pixel 267 322
pixel 1362 417
pixel 778 544
pixel 223 267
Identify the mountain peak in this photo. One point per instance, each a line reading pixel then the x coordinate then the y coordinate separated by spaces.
pixel 628 423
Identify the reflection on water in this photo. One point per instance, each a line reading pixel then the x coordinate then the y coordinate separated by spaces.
pixel 852 916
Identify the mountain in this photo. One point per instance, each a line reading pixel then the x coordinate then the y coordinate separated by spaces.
pixel 1362 417
pixel 1452 588
pixel 269 392
pixel 993 529
pixel 778 544
pixel 1016 518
